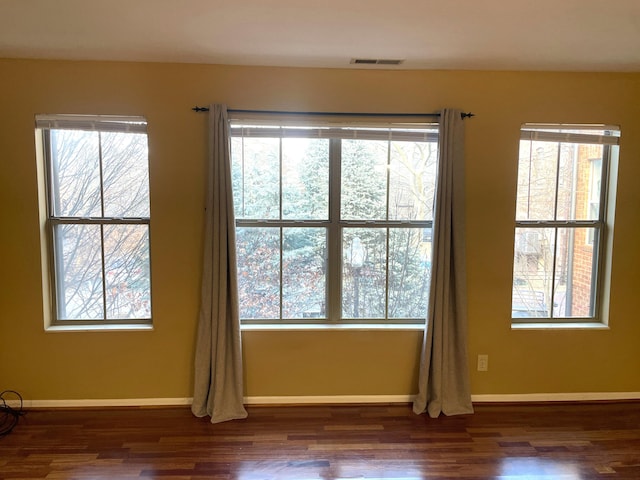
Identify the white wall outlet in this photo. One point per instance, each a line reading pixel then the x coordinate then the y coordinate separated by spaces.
pixel 483 363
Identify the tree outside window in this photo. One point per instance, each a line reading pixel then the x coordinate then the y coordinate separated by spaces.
pixel 97 179
pixel 317 208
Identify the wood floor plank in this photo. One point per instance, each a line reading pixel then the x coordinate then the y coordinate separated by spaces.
pixel 505 442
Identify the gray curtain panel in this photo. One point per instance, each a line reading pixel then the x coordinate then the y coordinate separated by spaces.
pixel 218 388
pixel 443 380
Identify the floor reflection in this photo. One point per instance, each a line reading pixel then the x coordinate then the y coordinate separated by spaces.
pixel 325 470
pixel 531 468
pixel 511 468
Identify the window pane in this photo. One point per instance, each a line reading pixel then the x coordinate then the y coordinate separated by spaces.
pixel 567 187
pixel 412 180
pixel 237 180
pixel 79 274
pixel 579 181
pixel 575 270
pixel 282 259
pixel 259 272
pixel 575 168
pixel 364 254
pixel 533 272
pixel 127 272
pixel 364 180
pixel 75 168
pixel 537 172
pixel 125 174
pixel 304 272
pixel 409 272
pixel 305 179
pixel 256 171
pixel 595 185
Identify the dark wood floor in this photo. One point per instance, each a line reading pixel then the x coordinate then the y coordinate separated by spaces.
pixel 559 442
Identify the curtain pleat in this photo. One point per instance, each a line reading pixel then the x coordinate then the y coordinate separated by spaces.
pixel 218 382
pixel 443 379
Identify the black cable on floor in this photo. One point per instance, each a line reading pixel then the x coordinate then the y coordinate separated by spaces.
pixel 9 416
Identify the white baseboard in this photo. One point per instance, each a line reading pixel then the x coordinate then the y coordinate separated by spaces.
pixel 556 397
pixel 329 400
pixel 490 398
pixel 102 402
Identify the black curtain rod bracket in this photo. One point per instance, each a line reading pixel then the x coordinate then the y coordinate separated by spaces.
pixel 333 114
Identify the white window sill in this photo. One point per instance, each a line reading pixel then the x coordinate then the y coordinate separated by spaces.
pixel 560 326
pixel 329 326
pixel 99 328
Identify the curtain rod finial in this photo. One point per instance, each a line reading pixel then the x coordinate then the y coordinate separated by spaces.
pixel 200 109
pixel 468 115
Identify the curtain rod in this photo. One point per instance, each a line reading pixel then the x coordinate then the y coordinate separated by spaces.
pixel 334 114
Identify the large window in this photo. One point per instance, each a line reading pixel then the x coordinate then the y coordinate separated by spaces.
pixel 96 175
pixel 562 222
pixel 333 224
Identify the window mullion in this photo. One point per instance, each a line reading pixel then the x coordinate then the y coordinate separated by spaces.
pixel 334 241
pixel 388 232
pixel 386 281
pixel 280 179
pixel 101 174
pixel 100 221
pixel 553 271
pixel 102 266
pixel 555 232
pixel 556 223
pixel 281 239
pixel 104 277
pixel 557 186
pixel 243 177
pixel 281 229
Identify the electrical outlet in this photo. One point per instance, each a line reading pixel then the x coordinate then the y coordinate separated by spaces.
pixel 483 363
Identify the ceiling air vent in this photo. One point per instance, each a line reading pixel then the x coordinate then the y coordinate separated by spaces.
pixel 376 61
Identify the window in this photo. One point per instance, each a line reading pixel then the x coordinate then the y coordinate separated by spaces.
pixel 96 183
pixel 562 222
pixel 333 224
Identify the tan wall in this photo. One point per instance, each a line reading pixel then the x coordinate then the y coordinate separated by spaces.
pixel 158 363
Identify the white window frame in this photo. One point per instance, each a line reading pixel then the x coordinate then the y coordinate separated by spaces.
pixel 277 128
pixel 51 262
pixel 601 240
pixel 595 188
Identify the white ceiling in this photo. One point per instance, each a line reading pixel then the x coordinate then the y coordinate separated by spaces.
pixel 569 35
